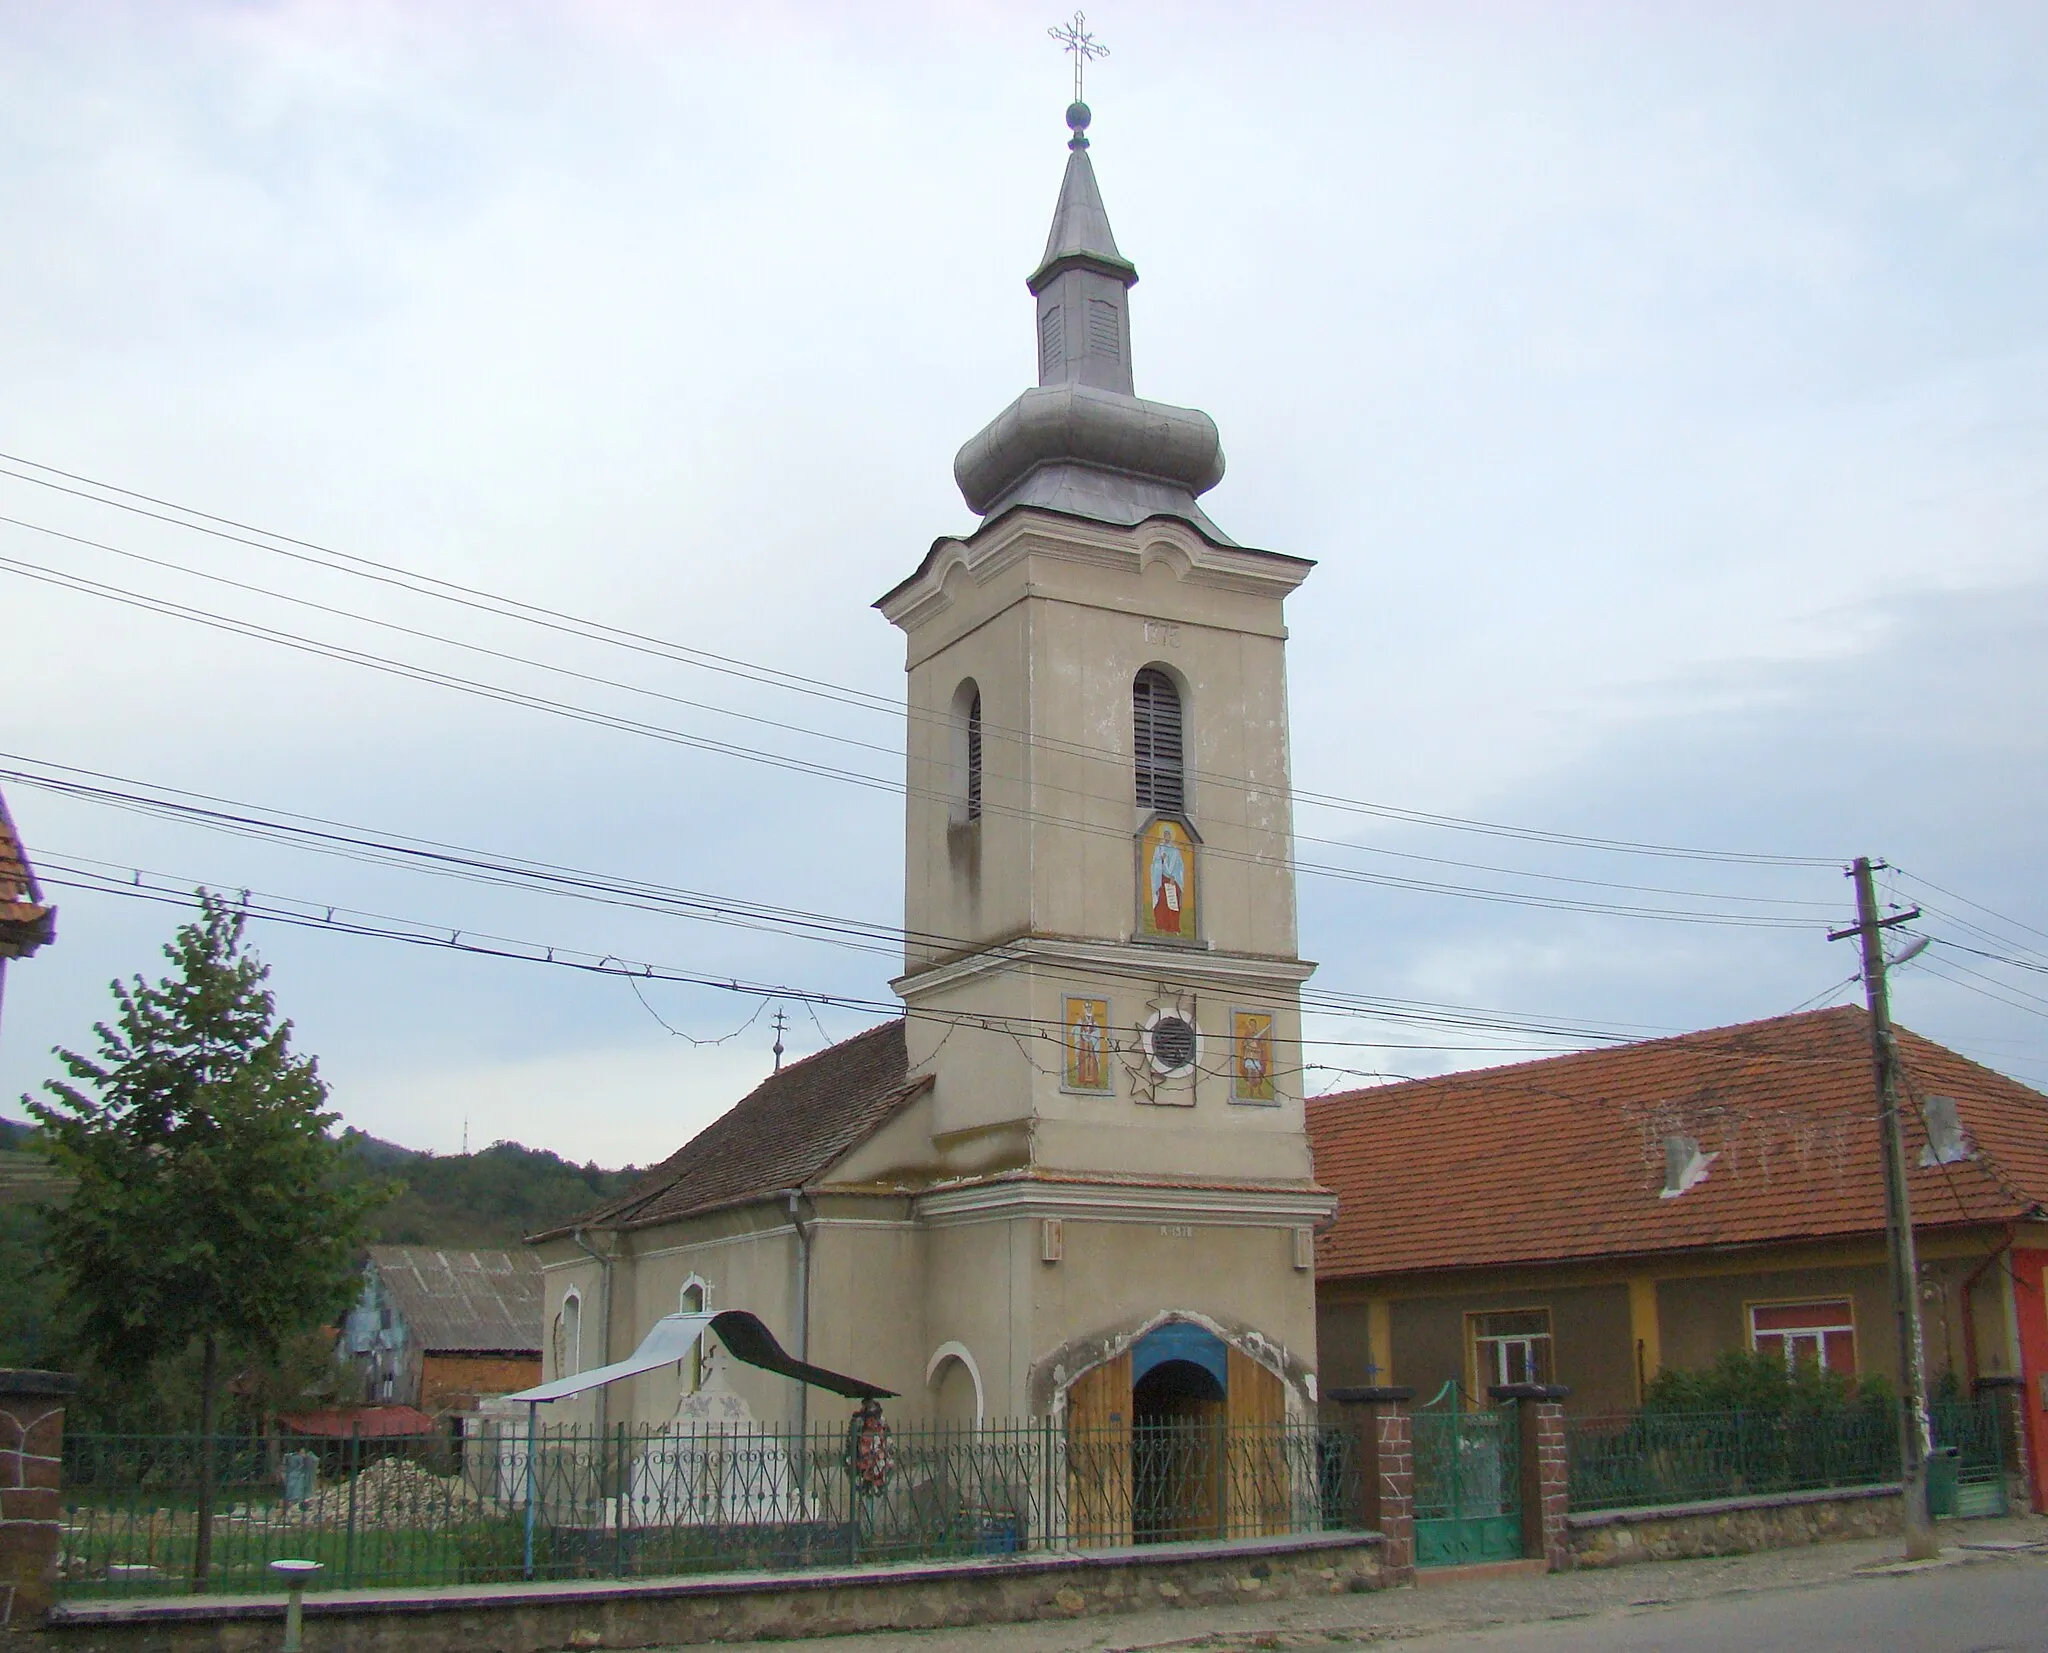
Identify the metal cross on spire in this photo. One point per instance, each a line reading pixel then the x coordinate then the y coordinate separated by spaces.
pixel 1075 39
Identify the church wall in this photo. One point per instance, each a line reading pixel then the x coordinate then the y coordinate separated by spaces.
pixel 1181 1127
pixel 1053 639
pixel 869 1302
pixel 959 882
pixel 1241 1277
pixel 1093 633
pixel 980 1295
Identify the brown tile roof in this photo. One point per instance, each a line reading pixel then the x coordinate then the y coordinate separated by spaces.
pixel 784 1134
pixel 26 921
pixel 1564 1158
pixel 464 1301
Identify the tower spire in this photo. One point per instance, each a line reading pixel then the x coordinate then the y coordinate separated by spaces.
pixel 1083 442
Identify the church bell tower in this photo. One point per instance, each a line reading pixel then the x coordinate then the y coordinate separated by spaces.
pixel 1101 971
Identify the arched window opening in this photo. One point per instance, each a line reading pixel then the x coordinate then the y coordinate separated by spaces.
pixel 569 1337
pixel 974 757
pixel 1156 726
pixel 966 788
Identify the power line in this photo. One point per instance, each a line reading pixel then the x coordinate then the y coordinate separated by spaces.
pixel 496 870
pixel 667 734
pixel 340 920
pixel 554 619
pixel 96 588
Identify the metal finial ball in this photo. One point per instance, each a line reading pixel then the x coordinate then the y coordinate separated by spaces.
pixel 1078 116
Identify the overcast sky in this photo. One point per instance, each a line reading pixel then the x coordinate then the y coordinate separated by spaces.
pixel 1661 390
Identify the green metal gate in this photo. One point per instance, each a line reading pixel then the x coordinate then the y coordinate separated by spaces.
pixel 1468 1483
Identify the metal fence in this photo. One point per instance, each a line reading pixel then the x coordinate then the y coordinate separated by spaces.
pixel 1651 1458
pixel 636 1502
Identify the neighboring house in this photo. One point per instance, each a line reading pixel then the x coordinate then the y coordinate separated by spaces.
pixel 438 1330
pixel 27 922
pixel 1591 1219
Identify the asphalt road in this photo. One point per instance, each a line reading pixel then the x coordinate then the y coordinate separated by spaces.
pixel 1989 1607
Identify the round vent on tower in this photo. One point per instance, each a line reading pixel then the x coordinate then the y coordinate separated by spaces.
pixel 1170 1044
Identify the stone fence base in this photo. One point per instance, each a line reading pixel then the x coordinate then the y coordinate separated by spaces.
pixel 532 1618
pixel 1731 1526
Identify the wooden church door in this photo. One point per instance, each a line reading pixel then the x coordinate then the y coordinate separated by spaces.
pixel 1099 1455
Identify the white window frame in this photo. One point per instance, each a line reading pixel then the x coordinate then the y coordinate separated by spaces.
pixel 1813 1336
pixel 1489 1351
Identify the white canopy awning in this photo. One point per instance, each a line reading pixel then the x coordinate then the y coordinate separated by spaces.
pixel 671 1338
pixel 668 1340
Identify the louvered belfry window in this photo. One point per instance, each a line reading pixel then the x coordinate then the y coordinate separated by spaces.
pixel 1156 738
pixel 974 757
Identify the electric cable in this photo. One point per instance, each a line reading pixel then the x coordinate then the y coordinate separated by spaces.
pixel 510 607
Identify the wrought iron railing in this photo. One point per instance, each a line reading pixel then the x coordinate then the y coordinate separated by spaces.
pixel 1651 1458
pixel 637 1502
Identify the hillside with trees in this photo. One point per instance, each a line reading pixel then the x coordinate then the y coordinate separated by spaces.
pixel 491 1199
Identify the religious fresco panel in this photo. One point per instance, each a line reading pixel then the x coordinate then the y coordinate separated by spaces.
pixel 1169 905
pixel 1086 1065
pixel 1251 1056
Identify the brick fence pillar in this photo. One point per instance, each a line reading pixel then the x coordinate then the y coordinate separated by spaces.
pixel 1381 1495
pixel 2010 1396
pixel 31 1472
pixel 1546 1470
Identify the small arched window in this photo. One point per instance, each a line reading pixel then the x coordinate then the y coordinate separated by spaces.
pixel 966 755
pixel 1156 740
pixel 569 1344
pixel 974 757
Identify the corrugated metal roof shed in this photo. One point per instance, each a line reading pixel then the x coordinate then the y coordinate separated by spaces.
pixel 464 1301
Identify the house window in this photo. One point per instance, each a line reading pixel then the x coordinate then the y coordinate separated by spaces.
pixel 1823 1333
pixel 1156 726
pixel 1510 1346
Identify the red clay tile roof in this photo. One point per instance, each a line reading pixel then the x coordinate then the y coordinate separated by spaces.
pixel 784 1134
pixel 371 1422
pixel 26 922
pixel 1564 1158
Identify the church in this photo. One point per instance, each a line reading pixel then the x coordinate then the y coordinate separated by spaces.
pixel 1072 1181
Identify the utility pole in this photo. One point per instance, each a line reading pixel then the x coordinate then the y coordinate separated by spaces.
pixel 781 1021
pixel 1916 1442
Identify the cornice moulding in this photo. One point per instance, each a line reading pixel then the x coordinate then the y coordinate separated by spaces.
pixel 1223 970
pixel 1028 532
pixel 1099 1202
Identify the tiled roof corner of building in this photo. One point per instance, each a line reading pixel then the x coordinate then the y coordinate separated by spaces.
pixel 27 921
pixel 785 1133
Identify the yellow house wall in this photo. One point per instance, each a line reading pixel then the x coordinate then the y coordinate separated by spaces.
pixel 1685 1311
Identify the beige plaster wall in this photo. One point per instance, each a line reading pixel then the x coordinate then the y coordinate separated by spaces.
pixel 1241 1277
pixel 1013 1071
pixel 1053 639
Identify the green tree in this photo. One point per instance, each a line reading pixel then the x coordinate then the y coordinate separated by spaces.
pixel 212 1205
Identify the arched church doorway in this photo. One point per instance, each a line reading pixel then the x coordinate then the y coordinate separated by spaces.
pixel 1177 1410
pixel 1181 1435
